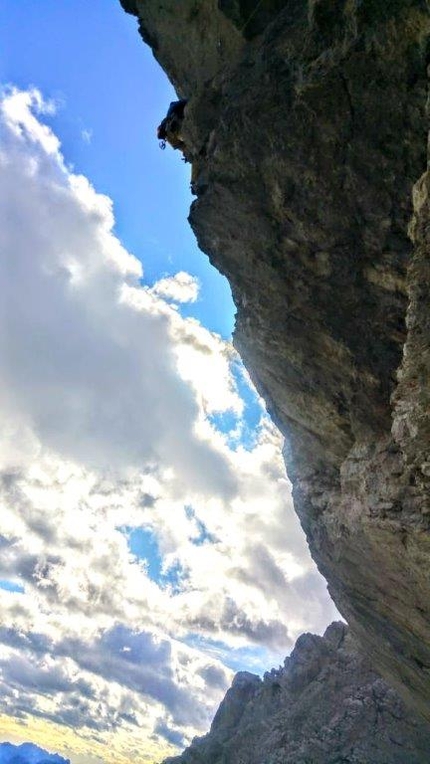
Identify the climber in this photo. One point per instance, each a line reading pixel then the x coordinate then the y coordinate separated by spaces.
pixel 170 128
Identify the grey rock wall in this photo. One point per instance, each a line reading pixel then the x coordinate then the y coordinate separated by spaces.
pixel 307 131
pixel 325 706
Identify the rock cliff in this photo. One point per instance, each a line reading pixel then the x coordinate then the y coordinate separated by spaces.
pixel 307 129
pixel 326 706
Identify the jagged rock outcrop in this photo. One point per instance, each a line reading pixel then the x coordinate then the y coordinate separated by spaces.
pixel 326 706
pixel 307 130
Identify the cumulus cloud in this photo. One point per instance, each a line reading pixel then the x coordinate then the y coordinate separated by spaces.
pixel 182 287
pixel 109 402
pixel 93 377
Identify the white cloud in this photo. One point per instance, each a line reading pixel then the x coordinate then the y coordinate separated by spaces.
pixel 182 287
pixel 96 378
pixel 18 111
pixel 109 401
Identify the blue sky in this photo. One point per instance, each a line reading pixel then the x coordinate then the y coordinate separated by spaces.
pixel 90 58
pixel 10 586
pixel 148 543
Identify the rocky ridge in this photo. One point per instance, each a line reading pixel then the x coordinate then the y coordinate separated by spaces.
pixel 28 753
pixel 325 706
pixel 307 129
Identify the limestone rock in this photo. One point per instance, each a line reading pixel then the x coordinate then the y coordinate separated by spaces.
pixel 307 129
pixel 325 706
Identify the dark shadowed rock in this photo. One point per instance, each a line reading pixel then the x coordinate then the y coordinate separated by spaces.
pixel 307 129
pixel 326 706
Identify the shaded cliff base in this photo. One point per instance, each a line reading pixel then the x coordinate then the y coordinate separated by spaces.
pixel 325 706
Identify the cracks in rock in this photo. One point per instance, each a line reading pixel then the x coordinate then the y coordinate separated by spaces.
pixel 420 664
pixel 395 742
pixel 350 134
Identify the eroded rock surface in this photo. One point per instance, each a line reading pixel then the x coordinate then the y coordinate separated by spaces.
pixel 307 129
pixel 325 706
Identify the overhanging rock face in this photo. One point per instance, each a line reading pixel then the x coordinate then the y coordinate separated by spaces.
pixel 307 129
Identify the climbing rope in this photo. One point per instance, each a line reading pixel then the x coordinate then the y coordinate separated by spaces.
pixel 252 14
